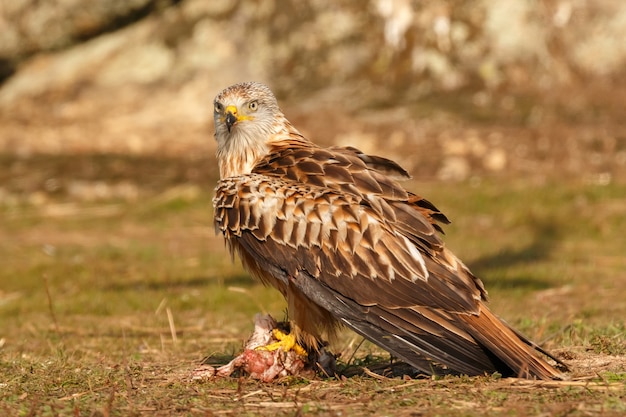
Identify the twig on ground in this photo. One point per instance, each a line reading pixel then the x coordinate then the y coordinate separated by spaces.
pixel 50 304
pixel 375 375
pixel 354 352
pixel 170 320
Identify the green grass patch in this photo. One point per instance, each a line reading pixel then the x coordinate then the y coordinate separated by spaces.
pixel 106 307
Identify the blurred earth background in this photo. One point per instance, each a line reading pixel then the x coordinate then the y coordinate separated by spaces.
pixel 509 114
pixel 451 89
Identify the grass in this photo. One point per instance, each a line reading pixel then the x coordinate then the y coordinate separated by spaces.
pixel 107 305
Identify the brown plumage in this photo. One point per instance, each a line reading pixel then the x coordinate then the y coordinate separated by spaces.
pixel 334 231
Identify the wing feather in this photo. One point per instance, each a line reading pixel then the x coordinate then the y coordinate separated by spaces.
pixel 356 257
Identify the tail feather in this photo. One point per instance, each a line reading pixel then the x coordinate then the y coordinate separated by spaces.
pixel 489 345
pixel 517 352
pixel 436 339
pixel 419 347
pixel 438 342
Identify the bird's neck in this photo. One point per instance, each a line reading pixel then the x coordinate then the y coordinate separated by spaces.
pixel 239 154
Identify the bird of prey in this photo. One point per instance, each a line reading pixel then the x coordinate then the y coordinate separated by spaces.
pixel 346 244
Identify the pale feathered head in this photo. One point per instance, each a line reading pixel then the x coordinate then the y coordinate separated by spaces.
pixel 247 121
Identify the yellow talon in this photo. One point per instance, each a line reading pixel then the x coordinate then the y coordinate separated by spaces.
pixel 285 341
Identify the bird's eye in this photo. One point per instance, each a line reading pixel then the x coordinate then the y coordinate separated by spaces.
pixel 253 105
pixel 218 107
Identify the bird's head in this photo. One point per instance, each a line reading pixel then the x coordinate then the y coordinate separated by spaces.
pixel 247 120
pixel 247 108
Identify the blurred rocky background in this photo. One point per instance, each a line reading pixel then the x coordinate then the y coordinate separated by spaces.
pixel 454 90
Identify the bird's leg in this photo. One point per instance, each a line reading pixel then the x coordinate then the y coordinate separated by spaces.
pixel 286 341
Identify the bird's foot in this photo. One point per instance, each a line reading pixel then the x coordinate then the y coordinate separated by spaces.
pixel 285 341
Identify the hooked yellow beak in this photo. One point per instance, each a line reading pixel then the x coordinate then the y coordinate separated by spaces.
pixel 231 116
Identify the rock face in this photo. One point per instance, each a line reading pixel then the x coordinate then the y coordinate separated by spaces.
pixel 30 26
pixel 309 45
pixel 138 75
